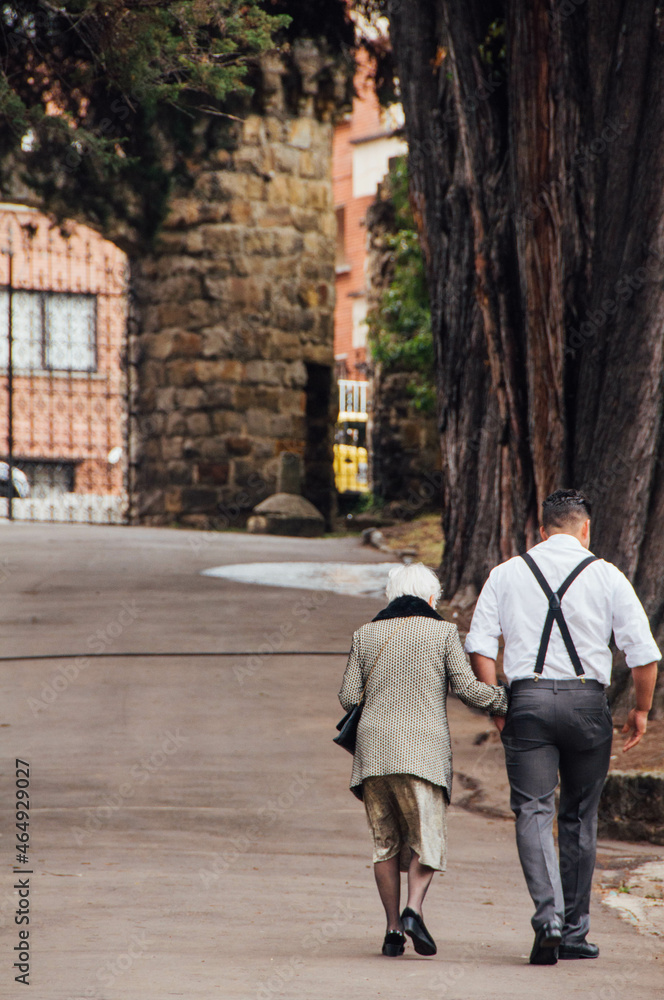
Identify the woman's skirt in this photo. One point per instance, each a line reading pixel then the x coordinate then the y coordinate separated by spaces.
pixel 404 813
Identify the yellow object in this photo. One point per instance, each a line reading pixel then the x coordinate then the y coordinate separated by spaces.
pixel 351 468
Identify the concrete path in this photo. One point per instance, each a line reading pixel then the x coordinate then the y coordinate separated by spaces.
pixel 192 834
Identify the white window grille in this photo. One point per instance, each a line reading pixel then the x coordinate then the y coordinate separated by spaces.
pixel 50 330
pixel 352 396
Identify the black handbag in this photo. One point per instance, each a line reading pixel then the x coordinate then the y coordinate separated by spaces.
pixel 347 737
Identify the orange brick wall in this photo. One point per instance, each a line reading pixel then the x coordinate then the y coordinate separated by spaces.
pixel 364 121
pixel 60 415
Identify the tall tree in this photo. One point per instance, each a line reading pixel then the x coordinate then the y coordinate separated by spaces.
pixel 537 176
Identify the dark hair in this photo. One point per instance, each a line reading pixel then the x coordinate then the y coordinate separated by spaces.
pixel 564 506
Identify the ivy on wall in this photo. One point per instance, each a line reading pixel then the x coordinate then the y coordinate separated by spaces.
pixel 400 325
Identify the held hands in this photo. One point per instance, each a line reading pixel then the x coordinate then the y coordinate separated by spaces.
pixel 635 727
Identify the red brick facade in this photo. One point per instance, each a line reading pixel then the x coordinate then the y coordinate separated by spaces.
pixel 362 146
pixel 69 314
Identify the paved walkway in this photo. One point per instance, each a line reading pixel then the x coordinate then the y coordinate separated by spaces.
pixel 192 831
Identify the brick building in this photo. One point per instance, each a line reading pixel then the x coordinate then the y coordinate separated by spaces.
pixel 364 143
pixel 66 394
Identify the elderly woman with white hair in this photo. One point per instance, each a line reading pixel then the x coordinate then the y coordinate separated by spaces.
pixel 407 657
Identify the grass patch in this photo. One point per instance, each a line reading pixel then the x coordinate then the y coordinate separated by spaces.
pixel 424 533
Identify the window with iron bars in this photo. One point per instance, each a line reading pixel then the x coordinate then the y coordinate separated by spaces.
pixel 51 331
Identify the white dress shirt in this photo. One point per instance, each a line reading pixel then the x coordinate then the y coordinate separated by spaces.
pixel 600 601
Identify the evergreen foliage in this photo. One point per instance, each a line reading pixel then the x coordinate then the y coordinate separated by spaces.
pixel 100 99
pixel 400 327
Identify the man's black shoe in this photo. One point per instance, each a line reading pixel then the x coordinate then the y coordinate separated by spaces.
pixel 578 949
pixel 545 946
pixel 414 927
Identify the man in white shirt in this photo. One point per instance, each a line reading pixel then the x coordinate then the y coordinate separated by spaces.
pixel 556 608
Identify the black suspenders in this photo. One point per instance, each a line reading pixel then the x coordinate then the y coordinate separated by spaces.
pixel 555 613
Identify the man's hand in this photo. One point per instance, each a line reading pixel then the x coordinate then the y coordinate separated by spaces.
pixel 499 722
pixel 645 678
pixel 636 725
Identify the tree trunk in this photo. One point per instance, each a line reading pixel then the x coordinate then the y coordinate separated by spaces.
pixel 543 228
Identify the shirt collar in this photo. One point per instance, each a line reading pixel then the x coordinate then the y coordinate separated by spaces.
pixel 563 541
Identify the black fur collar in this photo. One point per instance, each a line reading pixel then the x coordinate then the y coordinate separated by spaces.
pixel 402 607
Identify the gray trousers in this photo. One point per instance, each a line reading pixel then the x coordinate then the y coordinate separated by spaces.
pixel 552 728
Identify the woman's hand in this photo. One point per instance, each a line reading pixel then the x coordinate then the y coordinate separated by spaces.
pixel 499 722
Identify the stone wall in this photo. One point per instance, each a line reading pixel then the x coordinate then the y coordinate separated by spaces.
pixel 404 444
pixel 232 337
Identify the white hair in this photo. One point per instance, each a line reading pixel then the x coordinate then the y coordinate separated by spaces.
pixel 414 580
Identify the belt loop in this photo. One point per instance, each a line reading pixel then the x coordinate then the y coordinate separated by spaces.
pixel 555 686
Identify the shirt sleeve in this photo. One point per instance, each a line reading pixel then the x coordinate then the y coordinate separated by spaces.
pixel 631 627
pixel 351 686
pixel 485 627
pixel 466 686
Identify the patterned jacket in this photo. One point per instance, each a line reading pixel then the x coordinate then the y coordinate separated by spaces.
pixel 403 728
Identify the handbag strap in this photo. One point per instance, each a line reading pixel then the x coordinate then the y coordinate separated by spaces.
pixel 392 633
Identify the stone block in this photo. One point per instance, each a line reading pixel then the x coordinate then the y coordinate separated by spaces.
pixel 295 445
pixel 165 399
pixel 239 445
pixel 259 396
pixel 216 284
pixel 213 449
pixel 257 422
pixel 178 473
pixel 199 499
pixel 172 448
pixel 287 158
pixel 212 473
pixel 254 130
pixel 198 424
pixel 182 212
pixel 173 501
pixel 186 344
pixel 252 159
pixel 301 133
pixel 272 216
pixel 190 399
pixel 181 372
pixel 288 243
pixel 318 354
pixel 224 239
pixel 159 345
pixel 318 196
pixel 277 190
pixel 276 130
pixel 217 342
pixel 221 395
pixel 176 425
pixel 306 221
pixel 261 243
pixel 218 371
pixel 265 372
pixel 296 374
pixel 227 421
pixel 247 292
pixel 243 213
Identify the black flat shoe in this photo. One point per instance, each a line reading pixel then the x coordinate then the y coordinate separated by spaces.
pixel 546 944
pixel 394 944
pixel 414 927
pixel 578 949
